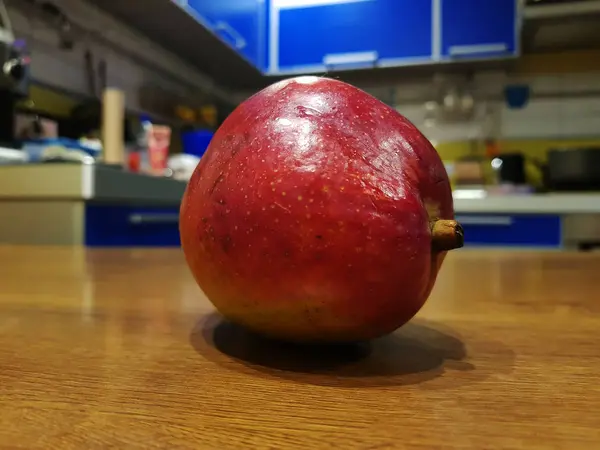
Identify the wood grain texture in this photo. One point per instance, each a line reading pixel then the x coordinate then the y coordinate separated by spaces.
pixel 119 349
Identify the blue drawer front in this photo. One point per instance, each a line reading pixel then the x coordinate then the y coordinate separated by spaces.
pixel 511 230
pixel 478 29
pixel 127 226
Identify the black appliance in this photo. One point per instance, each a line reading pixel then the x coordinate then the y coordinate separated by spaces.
pixel 576 169
pixel 14 83
pixel 511 168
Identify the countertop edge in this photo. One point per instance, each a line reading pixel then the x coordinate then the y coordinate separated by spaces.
pixel 81 182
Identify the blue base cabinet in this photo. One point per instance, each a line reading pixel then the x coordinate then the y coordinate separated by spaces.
pixel 121 225
pixel 131 226
pixel 541 231
pixel 476 29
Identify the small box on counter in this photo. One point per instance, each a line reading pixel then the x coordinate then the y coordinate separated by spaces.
pixel 151 153
pixel 159 139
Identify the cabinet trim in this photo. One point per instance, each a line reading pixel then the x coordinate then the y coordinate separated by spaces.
pixel 263 63
pixel 273 65
pixel 382 63
pixel 479 49
pixel 156 218
pixel 203 21
pixel 301 69
pixel 238 41
pixel 436 30
pixel 352 58
pixel 519 5
pixel 409 61
pixel 486 220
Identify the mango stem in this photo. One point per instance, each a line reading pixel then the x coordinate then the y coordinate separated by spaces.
pixel 447 235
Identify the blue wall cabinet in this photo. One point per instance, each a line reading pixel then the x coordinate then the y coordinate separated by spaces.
pixel 477 29
pixel 325 35
pixel 300 36
pixel 242 24
pixel 511 230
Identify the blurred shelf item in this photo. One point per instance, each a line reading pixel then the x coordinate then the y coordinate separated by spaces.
pixel 561 26
pixel 11 156
pixel 148 72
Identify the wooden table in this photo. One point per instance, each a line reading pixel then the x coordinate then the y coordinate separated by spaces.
pixel 118 349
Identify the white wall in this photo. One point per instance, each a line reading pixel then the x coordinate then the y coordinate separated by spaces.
pixel 560 107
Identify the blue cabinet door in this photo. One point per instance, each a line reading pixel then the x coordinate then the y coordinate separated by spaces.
pixel 405 33
pixel 323 35
pixel 239 23
pixel 130 226
pixel 474 29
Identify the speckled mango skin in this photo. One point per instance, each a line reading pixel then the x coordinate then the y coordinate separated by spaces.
pixel 308 218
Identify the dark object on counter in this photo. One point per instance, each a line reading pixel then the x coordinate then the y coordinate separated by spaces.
pixel 512 169
pixel 575 169
pixel 14 85
pixel 88 114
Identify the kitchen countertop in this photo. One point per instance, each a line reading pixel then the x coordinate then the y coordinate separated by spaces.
pixel 476 201
pixel 100 183
pixel 73 181
pixel 119 349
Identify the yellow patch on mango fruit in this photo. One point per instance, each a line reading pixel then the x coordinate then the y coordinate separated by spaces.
pixel 432 208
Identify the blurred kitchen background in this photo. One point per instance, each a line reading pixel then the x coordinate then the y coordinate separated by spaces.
pixel 108 105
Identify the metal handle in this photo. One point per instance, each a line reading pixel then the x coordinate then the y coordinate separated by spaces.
pixel 365 59
pixel 238 40
pixel 156 218
pixel 503 221
pixel 496 48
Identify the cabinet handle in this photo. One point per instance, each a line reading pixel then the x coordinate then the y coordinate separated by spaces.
pixel 504 221
pixel 366 59
pixel 224 28
pixel 475 50
pixel 157 218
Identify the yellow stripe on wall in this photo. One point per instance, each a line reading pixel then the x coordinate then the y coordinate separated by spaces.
pixel 533 150
pixel 452 151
